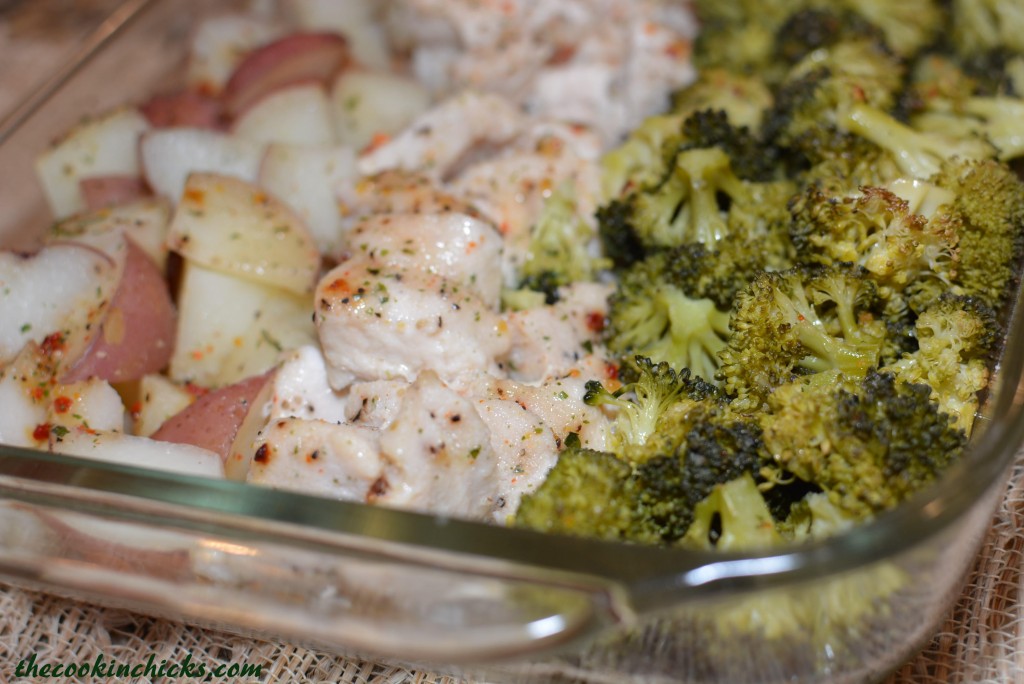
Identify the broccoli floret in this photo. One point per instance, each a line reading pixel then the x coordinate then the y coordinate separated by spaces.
pixel 814 28
pixel 823 87
pixel 956 338
pixel 733 517
pixel 719 274
pixel 908 25
pixel 945 99
pixel 740 36
pixel 749 157
pixel 743 99
pixel 586 493
pixel 868 445
pixel 642 405
pixel 876 230
pixel 651 315
pixel 918 154
pixel 989 201
pixel 649 499
pixel 801 321
pixel 687 206
pixel 983 25
pixel 559 252
pixel 815 517
pixel 639 161
pixel 738 102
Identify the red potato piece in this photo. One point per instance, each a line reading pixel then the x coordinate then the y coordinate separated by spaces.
pixel 185 108
pixel 108 191
pixel 212 421
pixel 137 335
pixel 296 58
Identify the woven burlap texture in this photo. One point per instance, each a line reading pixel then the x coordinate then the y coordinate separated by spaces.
pixel 981 640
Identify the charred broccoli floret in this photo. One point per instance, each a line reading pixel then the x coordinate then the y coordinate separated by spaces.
pixel 988 199
pixel 654 499
pixel 815 28
pixel 869 444
pixel 956 339
pixel 876 230
pixel 801 321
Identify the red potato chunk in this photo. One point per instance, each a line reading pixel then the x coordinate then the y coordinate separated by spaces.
pixel 296 58
pixel 184 108
pixel 100 192
pixel 137 335
pixel 212 421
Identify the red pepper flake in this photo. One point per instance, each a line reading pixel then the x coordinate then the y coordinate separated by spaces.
pixel 195 390
pixel 52 344
pixel 378 140
pixel 262 454
pixel 136 410
pixel 677 49
pixel 42 432
pixel 339 286
pixel 194 195
pixel 611 371
pixel 595 321
pixel 62 404
pixel 38 393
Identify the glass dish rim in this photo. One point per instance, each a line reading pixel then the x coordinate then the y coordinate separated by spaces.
pixel 668 575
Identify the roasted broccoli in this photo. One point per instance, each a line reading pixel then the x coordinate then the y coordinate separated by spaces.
pixel 657 498
pixel 980 26
pixel 875 229
pixel 701 199
pixel 868 444
pixel 797 322
pixel 956 339
pixel 658 400
pixel 650 314
pixel 587 493
pixel 812 251
pixel 988 198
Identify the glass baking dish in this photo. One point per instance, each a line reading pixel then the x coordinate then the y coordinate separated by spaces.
pixel 463 597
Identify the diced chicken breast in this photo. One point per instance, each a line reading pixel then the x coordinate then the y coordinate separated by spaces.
pixel 300 389
pixel 456 247
pixel 438 139
pixel 397 192
pixel 549 341
pixel 525 448
pixel 510 188
pixel 382 323
pixel 374 404
pixel 438 455
pixel 319 458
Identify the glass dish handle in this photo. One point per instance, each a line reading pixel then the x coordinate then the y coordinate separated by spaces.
pixel 426 609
